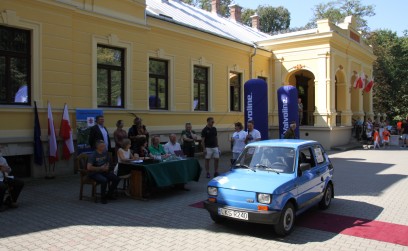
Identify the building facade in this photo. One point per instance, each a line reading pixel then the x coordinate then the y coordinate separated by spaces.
pixel 169 63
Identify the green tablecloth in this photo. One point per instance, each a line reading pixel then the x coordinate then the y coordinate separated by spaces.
pixel 169 173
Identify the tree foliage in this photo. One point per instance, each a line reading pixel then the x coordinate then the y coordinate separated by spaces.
pixel 206 5
pixel 272 19
pixel 337 10
pixel 390 93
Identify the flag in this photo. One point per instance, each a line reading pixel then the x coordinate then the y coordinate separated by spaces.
pixel 52 138
pixel 369 86
pixel 356 80
pixel 38 148
pixel 363 81
pixel 66 135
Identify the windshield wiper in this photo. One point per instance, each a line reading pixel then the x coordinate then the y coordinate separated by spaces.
pixel 244 166
pixel 267 168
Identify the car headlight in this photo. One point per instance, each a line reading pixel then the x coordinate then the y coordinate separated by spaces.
pixel 264 198
pixel 213 191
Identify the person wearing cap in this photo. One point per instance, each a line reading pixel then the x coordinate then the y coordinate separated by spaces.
pixel 290 133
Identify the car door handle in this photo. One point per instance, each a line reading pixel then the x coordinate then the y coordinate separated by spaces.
pixel 321 178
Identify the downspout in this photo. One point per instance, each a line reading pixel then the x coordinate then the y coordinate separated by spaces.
pixel 251 61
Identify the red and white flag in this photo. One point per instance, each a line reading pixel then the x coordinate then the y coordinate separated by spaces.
pixel 66 135
pixel 369 86
pixel 52 138
pixel 358 82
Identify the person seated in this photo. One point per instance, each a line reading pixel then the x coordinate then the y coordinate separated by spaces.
pixel 156 149
pixel 142 150
pixel 8 182
pixel 125 155
pixel 98 167
pixel 172 146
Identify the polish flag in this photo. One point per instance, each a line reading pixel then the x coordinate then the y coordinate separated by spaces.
pixel 369 86
pixel 363 80
pixel 66 135
pixel 356 80
pixel 52 138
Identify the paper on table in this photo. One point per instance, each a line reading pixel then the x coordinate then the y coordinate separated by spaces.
pixel 137 161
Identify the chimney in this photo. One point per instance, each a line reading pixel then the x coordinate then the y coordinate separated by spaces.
pixel 235 12
pixel 255 21
pixel 215 6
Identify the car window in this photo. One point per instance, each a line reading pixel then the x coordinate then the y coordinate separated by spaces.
pixel 319 153
pixel 306 156
pixel 265 158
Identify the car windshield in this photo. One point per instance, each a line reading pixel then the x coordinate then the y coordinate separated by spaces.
pixel 266 158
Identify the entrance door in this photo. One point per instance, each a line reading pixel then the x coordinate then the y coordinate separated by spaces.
pixel 302 87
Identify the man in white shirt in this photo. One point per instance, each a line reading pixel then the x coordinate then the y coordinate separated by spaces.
pixel 172 146
pixel 253 134
pixel 8 182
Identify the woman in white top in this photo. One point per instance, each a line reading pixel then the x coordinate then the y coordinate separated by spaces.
pixel 124 155
pixel 238 140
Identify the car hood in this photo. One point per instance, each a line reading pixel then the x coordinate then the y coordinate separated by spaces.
pixel 259 181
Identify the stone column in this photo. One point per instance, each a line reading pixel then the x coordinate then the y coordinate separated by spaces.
pixel 322 91
pixel 278 82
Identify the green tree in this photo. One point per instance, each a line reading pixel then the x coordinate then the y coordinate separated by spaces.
pixel 272 19
pixel 390 92
pixel 206 5
pixel 336 11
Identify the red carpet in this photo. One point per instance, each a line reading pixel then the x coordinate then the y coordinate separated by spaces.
pixel 368 229
pixel 363 228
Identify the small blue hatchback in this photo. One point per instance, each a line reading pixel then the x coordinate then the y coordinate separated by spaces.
pixel 272 182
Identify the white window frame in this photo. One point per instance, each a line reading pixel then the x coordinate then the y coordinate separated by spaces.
pixel 9 18
pixel 160 54
pixel 237 69
pixel 113 41
pixel 201 62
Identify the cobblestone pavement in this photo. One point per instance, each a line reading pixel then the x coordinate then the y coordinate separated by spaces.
pixel 369 184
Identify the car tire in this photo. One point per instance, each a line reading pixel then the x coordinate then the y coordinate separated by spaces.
pixel 286 221
pixel 216 218
pixel 327 197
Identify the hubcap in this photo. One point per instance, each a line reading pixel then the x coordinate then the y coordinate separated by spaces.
pixel 288 219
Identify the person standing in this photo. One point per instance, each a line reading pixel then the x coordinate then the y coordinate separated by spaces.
pixel 98 167
pixel 189 137
pixel 386 137
pixel 99 132
pixel 300 111
pixel 137 131
pixel 210 146
pixel 119 135
pixel 253 135
pixel 404 133
pixel 238 140
pixel 8 182
pixel 290 133
pixel 376 139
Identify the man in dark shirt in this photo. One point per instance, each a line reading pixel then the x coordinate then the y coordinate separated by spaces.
pixel 404 132
pixel 98 167
pixel 210 146
pixel 99 132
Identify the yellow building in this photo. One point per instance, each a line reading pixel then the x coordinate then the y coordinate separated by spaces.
pixel 169 63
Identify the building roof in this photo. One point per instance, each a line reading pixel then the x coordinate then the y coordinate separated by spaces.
pixel 187 15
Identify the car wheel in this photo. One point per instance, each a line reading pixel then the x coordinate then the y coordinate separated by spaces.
pixel 327 197
pixel 216 218
pixel 287 220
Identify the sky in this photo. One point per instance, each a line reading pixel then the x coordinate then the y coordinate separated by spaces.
pixel 390 14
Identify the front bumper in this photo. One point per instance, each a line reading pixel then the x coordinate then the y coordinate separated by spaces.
pixel 262 217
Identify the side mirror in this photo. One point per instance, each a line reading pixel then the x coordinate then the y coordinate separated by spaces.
pixel 304 166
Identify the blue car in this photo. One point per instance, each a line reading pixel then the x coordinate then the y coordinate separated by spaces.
pixel 272 182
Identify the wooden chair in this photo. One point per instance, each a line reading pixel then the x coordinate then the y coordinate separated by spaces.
pixel 81 162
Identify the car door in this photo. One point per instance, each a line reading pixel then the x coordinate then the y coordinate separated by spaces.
pixel 306 181
pixel 322 168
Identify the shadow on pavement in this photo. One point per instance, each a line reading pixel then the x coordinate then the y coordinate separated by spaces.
pixel 356 177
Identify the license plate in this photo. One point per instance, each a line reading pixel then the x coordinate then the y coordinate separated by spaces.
pixel 233 214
